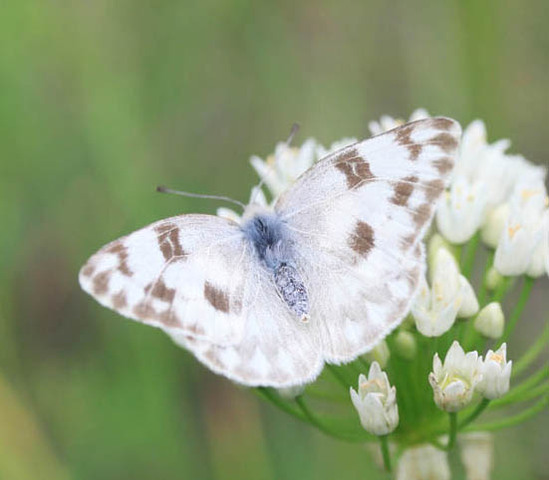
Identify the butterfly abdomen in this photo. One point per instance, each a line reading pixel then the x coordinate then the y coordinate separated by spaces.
pixel 291 289
pixel 273 245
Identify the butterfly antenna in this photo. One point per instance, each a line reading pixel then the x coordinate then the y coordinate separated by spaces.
pixel 163 189
pixel 293 133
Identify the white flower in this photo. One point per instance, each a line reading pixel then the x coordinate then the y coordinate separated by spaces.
pixel 520 249
pixel 380 354
pixel 257 198
pixel 281 169
pixel 375 402
pixel 477 453
pixel 461 211
pixel 435 309
pixel 454 381
pixel 423 462
pixel 494 225
pixel 490 321
pixel 496 373
pixel 387 122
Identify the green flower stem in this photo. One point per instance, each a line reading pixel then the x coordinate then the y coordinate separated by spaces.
pixel 532 353
pixel 514 420
pixel 530 394
pixel 468 255
pixel 483 292
pixel 502 289
pixel 519 307
pixel 383 439
pixel 480 408
pixel 453 430
pixel 333 370
pixel 279 402
pixel 313 420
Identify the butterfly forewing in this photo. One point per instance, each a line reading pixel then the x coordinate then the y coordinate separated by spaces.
pixel 358 217
pixel 187 273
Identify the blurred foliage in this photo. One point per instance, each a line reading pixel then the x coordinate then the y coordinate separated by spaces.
pixel 101 101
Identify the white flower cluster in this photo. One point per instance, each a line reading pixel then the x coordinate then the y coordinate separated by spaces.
pixel 502 195
pixel 463 374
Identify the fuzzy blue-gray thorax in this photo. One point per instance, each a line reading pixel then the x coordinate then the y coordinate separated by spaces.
pixel 274 247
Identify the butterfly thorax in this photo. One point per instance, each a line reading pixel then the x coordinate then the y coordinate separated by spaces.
pixel 272 243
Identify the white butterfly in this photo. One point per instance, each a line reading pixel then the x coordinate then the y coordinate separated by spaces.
pixel 321 278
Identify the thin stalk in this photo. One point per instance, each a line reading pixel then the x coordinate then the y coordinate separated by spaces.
pixel 502 289
pixel 480 408
pixel 519 307
pixel 468 256
pixel 278 402
pixel 516 393
pixel 483 292
pixel 532 353
pixel 383 439
pixel 530 394
pixel 313 420
pixel 338 376
pixel 453 430
pixel 515 419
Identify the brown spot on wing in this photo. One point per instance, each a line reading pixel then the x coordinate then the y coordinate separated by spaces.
pixel 119 300
pixel 355 168
pixel 443 123
pixel 168 318
pixel 403 137
pixel 443 165
pixel 169 242
pixel 421 214
pixel 118 249
pixel 445 141
pixel 362 239
pixel 403 189
pixel 87 270
pixel 101 282
pixel 433 189
pixel 159 290
pixel 145 310
pixel 217 297
pixel 408 241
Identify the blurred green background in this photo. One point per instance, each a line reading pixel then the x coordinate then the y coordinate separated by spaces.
pixel 101 100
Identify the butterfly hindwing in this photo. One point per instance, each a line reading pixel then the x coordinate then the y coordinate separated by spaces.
pixel 359 216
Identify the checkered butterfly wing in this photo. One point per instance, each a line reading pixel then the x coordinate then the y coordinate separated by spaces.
pixel 358 217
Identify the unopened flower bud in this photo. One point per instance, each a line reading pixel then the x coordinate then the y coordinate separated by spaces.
pixel 405 344
pixel 375 402
pixel 493 279
pixel 380 354
pixel 490 320
pixel 494 225
pixel 289 393
pixel 496 374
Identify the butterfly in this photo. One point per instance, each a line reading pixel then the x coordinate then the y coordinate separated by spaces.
pixel 321 277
